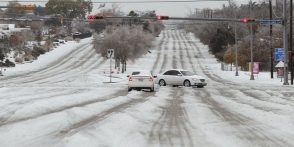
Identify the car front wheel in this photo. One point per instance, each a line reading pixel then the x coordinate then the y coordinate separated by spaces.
pixel 162 83
pixel 187 83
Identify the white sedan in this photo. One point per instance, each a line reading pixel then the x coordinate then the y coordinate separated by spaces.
pixel 180 77
pixel 141 79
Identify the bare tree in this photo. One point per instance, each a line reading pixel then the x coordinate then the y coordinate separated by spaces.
pixel 129 43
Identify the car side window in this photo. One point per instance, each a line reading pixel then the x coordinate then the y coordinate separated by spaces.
pixel 175 72
pixel 168 72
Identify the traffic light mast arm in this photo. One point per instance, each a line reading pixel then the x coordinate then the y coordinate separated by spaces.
pixel 184 18
pixel 181 18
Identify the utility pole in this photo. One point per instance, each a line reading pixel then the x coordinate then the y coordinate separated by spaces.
pixel 251 44
pixel 236 44
pixel 290 62
pixel 286 71
pixel 271 37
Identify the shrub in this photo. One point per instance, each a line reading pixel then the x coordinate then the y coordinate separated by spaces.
pixel 15 54
pixel 9 63
pixel 77 40
pixel 37 52
pixel 28 57
pixel 68 38
pixel 18 60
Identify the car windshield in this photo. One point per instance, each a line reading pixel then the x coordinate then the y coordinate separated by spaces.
pixel 187 73
pixel 141 72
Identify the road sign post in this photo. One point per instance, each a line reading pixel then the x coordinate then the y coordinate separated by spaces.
pixel 110 54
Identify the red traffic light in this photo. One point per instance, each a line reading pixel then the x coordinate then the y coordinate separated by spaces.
pixel 245 20
pixel 159 17
pixel 95 17
pixel 290 54
pixel 91 17
pixel 248 20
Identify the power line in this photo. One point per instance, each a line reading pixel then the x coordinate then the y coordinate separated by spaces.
pixel 168 1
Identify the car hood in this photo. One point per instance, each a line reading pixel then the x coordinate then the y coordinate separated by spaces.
pixel 197 77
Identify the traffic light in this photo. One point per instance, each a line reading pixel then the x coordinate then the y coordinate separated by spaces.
pixel 162 17
pixel 95 17
pixel 290 54
pixel 24 7
pixel 248 20
pixel 29 7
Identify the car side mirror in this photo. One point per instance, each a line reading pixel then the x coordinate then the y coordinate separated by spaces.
pixel 154 76
pixel 179 74
pixel 128 76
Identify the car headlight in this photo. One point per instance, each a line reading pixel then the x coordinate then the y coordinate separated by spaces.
pixel 194 79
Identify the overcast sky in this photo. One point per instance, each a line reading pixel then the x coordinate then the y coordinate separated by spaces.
pixel 172 9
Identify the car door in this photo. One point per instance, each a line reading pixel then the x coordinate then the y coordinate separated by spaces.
pixel 178 78
pixel 168 77
pixel 173 77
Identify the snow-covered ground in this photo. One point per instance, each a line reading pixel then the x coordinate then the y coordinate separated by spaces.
pixel 63 99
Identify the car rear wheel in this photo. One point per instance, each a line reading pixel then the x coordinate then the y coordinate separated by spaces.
pixel 129 89
pixel 162 82
pixel 187 83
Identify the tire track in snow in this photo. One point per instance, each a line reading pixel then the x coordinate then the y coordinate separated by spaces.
pixel 61 109
pixel 86 123
pixel 232 85
pixel 157 68
pixel 66 76
pixel 165 58
pixel 44 72
pixel 254 133
pixel 53 65
pixel 159 46
pixel 11 108
pixel 180 41
pixel 175 60
pixel 59 73
pixel 173 125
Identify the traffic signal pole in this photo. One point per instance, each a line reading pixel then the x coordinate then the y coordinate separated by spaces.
pixel 271 37
pixel 290 62
pixel 286 71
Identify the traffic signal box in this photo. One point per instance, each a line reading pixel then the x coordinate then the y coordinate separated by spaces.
pixel 290 53
pixel 162 17
pixel 248 20
pixel 24 7
pixel 95 17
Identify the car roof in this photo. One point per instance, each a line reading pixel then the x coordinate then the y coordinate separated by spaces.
pixel 142 73
pixel 177 69
pixel 143 70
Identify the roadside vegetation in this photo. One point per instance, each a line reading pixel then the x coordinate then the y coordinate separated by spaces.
pixel 220 36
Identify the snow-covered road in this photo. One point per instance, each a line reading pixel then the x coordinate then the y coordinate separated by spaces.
pixel 66 102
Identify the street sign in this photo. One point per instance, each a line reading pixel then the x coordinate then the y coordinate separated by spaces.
pixel 279 54
pixel 270 22
pixel 110 53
